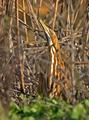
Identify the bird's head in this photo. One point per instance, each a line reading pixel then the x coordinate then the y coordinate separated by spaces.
pixel 50 36
pixel 48 33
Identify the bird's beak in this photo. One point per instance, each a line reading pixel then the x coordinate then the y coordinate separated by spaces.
pixel 46 29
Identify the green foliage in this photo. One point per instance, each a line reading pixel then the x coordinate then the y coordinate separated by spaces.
pixel 50 109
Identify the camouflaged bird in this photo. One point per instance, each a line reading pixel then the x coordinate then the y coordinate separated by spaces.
pixel 57 67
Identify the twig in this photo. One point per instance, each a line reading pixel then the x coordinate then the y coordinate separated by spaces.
pixel 83 62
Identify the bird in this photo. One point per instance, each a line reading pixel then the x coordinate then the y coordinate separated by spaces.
pixel 57 64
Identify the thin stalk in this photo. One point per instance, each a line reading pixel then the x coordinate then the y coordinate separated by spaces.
pixel 22 85
pixel 39 6
pixel 55 14
pixel 33 13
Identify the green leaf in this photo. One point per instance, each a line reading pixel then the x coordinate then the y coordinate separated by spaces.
pixel 78 112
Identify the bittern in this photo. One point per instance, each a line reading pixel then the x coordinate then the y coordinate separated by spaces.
pixel 57 65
